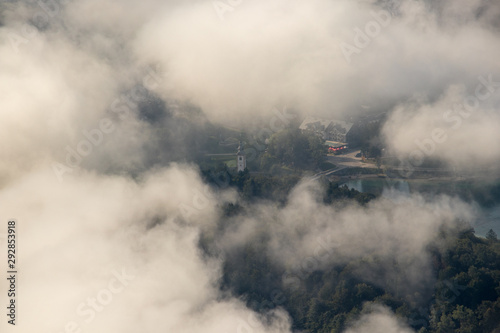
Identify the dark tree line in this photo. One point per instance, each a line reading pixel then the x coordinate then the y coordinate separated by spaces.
pixel 466 295
pixel 464 298
pixel 295 149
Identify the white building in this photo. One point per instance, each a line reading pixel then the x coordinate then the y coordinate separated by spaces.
pixel 241 159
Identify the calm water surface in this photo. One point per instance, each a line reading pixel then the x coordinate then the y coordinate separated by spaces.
pixel 394 189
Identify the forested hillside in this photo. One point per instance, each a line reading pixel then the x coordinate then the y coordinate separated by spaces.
pixel 462 295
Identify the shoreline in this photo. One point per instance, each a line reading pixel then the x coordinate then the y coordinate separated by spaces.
pixel 417 178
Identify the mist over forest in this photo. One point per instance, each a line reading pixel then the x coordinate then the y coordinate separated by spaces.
pixel 367 198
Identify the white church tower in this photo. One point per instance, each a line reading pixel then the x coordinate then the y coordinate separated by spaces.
pixel 241 159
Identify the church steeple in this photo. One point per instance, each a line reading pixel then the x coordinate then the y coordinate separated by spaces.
pixel 241 158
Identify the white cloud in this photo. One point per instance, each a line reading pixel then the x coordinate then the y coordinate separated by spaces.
pixel 63 78
pixel 75 237
pixel 379 320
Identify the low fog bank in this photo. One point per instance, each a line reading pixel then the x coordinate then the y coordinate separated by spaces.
pixel 391 240
pixel 160 70
pixel 107 254
pixel 103 102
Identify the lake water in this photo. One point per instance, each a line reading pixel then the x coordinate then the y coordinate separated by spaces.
pixel 394 189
